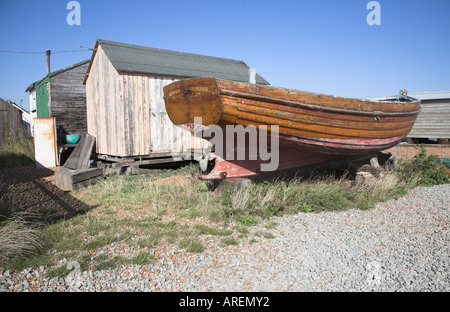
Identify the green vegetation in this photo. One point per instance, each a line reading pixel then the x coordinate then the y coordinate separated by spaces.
pixel 142 212
pixel 423 170
pixel 230 241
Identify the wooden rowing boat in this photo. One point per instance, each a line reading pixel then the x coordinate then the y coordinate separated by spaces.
pixel 315 127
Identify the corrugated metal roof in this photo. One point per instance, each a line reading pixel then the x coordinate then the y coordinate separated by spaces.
pixel 129 58
pixel 435 95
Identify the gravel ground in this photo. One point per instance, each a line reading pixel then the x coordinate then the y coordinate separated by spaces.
pixel 401 245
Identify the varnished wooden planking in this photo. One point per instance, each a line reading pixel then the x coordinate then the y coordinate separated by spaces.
pixel 236 107
pixel 320 100
pixel 258 104
pixel 192 98
pixel 299 114
pixel 311 130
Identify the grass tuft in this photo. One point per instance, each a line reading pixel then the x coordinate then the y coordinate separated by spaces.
pixel 191 245
pixel 20 238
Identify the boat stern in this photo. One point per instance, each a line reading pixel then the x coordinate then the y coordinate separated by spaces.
pixel 190 98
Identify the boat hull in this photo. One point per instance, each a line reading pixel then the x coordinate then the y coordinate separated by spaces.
pixel 313 127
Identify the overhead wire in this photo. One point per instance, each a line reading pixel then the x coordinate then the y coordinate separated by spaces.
pixel 53 52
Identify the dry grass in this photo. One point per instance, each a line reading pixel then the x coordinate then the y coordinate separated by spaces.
pixel 145 211
pixel 19 238
pixel 17 150
pixel 20 232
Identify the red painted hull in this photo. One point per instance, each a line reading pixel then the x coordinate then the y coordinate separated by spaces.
pixel 293 153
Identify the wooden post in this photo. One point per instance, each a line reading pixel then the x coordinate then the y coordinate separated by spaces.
pixel 396 156
pixel 48 53
pixel 67 179
pixel 252 75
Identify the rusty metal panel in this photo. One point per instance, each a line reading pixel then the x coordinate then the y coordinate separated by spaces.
pixel 45 146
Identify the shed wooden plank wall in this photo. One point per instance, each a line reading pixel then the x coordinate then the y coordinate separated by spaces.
pixel 135 102
pixel 165 135
pixel 127 113
pixel 10 119
pixel 160 125
pixel 67 101
pixel 103 93
pixel 433 121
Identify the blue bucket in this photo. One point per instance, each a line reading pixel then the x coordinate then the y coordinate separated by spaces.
pixel 73 138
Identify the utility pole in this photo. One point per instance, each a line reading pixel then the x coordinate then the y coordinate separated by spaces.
pixel 48 53
pixel 81 57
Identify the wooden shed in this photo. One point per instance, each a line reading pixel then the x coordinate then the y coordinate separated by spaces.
pixel 124 95
pixel 62 95
pixel 434 119
pixel 10 118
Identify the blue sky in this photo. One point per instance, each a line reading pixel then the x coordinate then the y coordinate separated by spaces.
pixel 323 46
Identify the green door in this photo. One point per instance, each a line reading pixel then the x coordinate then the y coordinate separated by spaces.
pixel 42 99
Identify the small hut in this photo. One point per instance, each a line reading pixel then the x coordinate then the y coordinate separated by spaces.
pixel 433 120
pixel 62 95
pixel 124 96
